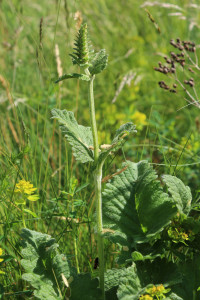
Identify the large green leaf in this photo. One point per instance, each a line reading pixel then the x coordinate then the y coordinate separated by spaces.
pixel 135 208
pixel 191 279
pixel 85 288
pixel 132 285
pixel 112 277
pixel 43 288
pixel 181 194
pixel 129 287
pixel 79 137
pixel 117 142
pixel 158 271
pixel 155 209
pixel 43 265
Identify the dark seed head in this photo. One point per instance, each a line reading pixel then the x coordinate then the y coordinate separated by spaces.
pixel 190 69
pixel 180 47
pixel 173 54
pixel 165 70
pixel 172 42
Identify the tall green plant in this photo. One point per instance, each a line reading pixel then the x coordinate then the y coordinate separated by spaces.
pixel 156 226
pixel 84 140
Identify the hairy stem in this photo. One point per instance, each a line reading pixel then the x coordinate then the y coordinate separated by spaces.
pixel 93 120
pixel 97 179
pixel 75 241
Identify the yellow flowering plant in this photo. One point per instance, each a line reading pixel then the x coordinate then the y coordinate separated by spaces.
pixel 146 297
pixel 1 260
pixel 25 191
pixel 1 253
pixel 155 292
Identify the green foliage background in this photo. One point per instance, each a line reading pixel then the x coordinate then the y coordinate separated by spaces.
pixel 30 145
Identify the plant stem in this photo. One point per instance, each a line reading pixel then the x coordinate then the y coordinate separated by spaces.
pixel 97 180
pixel 76 255
pixel 75 242
pixel 23 219
pixel 100 243
pixel 93 120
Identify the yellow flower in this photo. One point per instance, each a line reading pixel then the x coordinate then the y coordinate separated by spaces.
pixel 139 119
pixel 160 288
pixel 25 187
pixel 158 291
pixel 152 290
pixel 1 253
pixel 146 297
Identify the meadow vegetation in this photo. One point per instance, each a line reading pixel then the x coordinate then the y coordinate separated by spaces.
pixel 49 233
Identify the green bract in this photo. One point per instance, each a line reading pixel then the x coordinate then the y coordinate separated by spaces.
pixel 84 56
pixel 82 52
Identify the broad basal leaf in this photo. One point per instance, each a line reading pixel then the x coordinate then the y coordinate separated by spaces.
pixel 191 279
pixel 85 288
pixel 181 194
pixel 129 286
pixel 99 62
pixel 134 206
pixel 112 278
pixel 116 143
pixel 132 286
pixel 79 137
pixel 43 288
pixel 155 208
pixel 158 271
pixel 73 75
pixel 43 265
